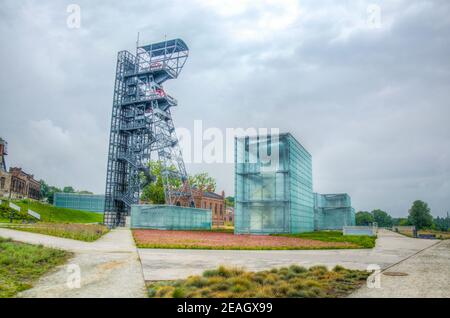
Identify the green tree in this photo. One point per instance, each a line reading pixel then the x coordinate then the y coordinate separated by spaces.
pixel 363 218
pixel 52 190
pixel 68 189
pixel 44 189
pixel 442 224
pixel 419 215
pixel 229 201
pixel 400 221
pixel 404 222
pixel 85 192
pixel 153 192
pixel 382 218
pixel 203 182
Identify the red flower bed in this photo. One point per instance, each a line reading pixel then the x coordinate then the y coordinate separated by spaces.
pixel 216 240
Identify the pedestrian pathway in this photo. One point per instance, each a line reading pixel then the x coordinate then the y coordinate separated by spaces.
pixel 427 274
pixel 108 267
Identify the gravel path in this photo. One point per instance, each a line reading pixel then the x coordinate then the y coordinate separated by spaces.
pixel 109 267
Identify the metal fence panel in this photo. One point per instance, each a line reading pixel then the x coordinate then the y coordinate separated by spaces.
pixel 169 217
pixel 77 201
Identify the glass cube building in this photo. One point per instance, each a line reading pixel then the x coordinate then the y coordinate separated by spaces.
pixel 170 217
pixel 273 185
pixel 333 211
pixel 76 201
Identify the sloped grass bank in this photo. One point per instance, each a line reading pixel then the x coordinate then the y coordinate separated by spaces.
pixel 22 264
pixel 81 232
pixel 50 213
pixel 287 282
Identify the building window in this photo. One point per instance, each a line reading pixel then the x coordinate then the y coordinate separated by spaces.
pixel 2 183
pixel 221 210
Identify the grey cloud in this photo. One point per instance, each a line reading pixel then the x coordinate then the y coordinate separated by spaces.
pixel 371 105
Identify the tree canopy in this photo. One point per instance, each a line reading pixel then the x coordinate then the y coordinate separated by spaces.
pixel 153 192
pixel 420 215
pixel 203 182
pixel 47 191
pixel 364 218
pixel 382 218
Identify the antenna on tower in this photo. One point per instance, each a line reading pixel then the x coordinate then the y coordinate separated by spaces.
pixel 137 41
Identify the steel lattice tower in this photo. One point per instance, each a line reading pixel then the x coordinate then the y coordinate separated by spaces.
pixel 142 129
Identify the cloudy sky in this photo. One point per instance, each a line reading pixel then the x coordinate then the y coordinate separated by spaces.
pixel 363 85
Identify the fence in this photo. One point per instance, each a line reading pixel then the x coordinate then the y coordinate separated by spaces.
pixel 405 230
pixel 360 230
pixel 76 201
pixel 169 217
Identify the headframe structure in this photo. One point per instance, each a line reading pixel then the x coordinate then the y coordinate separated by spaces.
pixel 142 129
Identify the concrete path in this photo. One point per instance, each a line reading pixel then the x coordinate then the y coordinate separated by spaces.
pixel 109 267
pixel 166 264
pixel 428 275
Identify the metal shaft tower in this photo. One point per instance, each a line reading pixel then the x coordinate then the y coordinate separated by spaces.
pixel 142 129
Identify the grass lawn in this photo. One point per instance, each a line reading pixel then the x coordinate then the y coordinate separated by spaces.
pixel 49 213
pixel 219 240
pixel 336 236
pixel 81 232
pixel 22 264
pixel 292 282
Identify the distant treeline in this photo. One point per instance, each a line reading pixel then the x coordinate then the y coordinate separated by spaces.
pixel 47 191
pixel 419 215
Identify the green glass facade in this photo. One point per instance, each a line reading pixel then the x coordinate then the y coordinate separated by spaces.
pixel 76 201
pixel 333 211
pixel 170 217
pixel 273 186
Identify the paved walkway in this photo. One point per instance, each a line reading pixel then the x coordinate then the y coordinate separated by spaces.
pixel 109 267
pixel 166 264
pixel 428 275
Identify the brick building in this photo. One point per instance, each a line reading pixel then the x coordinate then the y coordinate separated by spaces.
pixel 210 201
pixel 17 184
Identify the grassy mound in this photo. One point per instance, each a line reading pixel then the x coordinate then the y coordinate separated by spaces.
pixel 50 213
pixel 287 282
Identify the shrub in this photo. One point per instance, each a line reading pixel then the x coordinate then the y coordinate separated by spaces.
pixel 338 268
pixel 297 269
pixel 294 281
